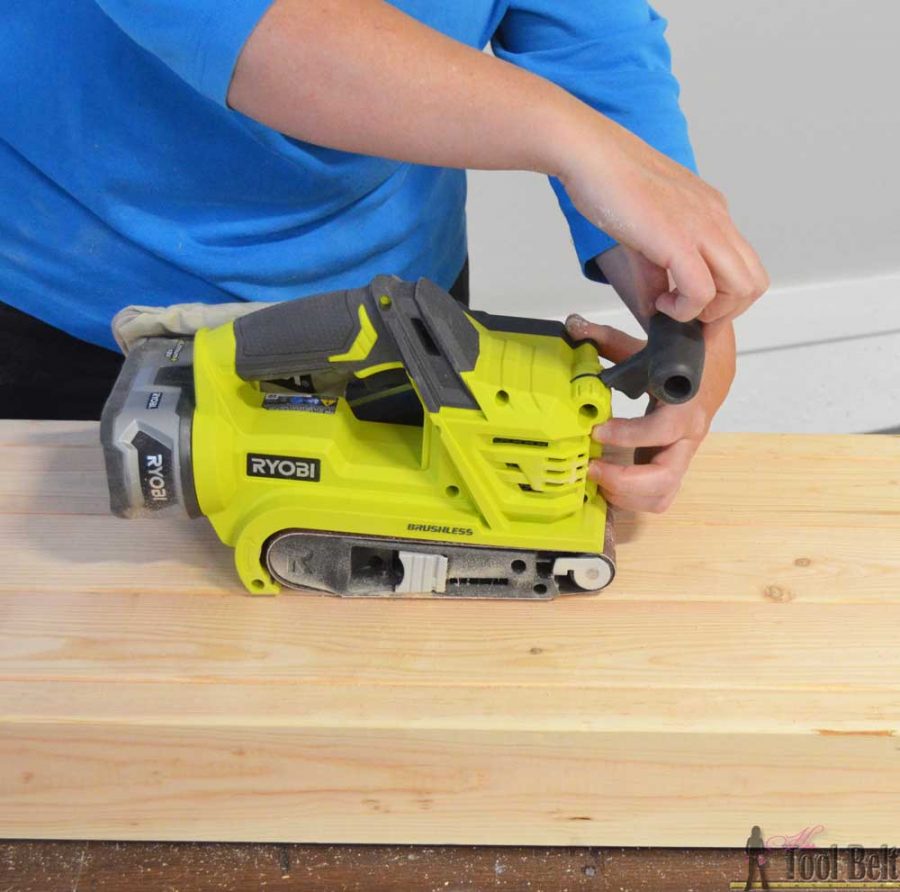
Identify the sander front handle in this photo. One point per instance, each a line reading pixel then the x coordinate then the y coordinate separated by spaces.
pixel 669 368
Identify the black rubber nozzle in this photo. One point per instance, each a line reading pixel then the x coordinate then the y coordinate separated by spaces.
pixel 669 368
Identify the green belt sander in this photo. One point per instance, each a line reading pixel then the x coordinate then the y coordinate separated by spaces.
pixel 385 441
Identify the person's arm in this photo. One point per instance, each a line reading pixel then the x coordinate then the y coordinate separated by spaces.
pixel 361 76
pixel 613 55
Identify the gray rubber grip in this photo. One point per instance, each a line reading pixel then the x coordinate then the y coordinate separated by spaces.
pixel 669 368
pixel 299 336
pixel 416 323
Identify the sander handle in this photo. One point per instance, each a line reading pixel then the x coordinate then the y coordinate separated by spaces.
pixel 418 326
pixel 387 325
pixel 669 368
pixel 311 334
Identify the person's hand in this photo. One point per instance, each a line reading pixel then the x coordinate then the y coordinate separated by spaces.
pixel 668 435
pixel 666 213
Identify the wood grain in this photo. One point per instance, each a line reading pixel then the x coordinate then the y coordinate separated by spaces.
pixel 743 669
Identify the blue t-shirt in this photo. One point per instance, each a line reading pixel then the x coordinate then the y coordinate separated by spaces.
pixel 125 178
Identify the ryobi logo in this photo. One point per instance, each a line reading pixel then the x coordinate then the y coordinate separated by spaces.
pixel 156 475
pixel 156 471
pixel 283 467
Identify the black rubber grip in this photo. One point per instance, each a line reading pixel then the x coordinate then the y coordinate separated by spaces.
pixel 669 368
pixel 414 323
pixel 300 336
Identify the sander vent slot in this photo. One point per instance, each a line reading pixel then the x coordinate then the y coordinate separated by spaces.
pixel 425 337
pixel 511 441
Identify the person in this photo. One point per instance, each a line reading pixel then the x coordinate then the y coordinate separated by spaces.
pixel 755 850
pixel 188 150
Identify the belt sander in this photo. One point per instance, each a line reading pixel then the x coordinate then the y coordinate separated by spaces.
pixel 385 441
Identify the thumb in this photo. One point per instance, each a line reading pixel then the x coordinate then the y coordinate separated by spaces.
pixel 612 344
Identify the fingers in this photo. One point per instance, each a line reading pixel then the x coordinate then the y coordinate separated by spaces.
pixel 672 432
pixel 650 487
pixel 735 277
pixel 670 436
pixel 737 286
pixel 714 269
pixel 757 271
pixel 662 427
pixel 671 217
pixel 695 287
pixel 612 344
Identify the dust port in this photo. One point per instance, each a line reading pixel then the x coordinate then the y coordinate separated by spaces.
pixel 678 388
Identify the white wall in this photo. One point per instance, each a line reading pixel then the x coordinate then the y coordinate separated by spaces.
pixel 794 112
pixel 795 116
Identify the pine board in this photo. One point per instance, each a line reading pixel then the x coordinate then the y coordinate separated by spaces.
pixel 743 669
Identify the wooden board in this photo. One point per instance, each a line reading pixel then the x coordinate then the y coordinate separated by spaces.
pixel 742 670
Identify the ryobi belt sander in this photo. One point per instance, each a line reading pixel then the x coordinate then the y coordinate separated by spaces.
pixel 385 440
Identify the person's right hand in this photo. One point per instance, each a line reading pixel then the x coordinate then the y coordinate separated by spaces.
pixel 662 210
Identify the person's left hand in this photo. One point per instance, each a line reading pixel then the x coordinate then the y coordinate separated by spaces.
pixel 668 435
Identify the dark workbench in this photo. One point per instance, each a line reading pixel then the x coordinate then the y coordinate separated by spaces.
pixel 190 867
